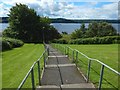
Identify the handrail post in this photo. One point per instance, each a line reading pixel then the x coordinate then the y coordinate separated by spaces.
pixel 48 51
pixel 101 77
pixel 88 72
pixel 39 72
pixel 32 78
pixel 64 51
pixel 76 58
pixel 73 55
pixel 44 59
pixel 68 51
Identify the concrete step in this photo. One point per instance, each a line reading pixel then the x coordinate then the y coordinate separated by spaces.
pixel 60 65
pixel 81 86
pixel 48 87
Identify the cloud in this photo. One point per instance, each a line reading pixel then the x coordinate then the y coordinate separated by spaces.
pixel 54 9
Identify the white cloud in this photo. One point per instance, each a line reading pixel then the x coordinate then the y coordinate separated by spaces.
pixel 67 10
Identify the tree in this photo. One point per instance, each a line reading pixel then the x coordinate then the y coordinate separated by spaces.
pixel 64 32
pixel 77 34
pixel 23 21
pixel 99 29
pixel 82 28
pixel 26 25
pixel 106 29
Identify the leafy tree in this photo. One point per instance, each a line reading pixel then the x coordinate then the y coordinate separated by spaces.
pixel 26 25
pixel 82 28
pixel 64 33
pixel 22 22
pixel 106 29
pixel 95 29
pixel 77 34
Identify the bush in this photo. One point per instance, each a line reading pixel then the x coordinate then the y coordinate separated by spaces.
pixel 6 45
pixel 9 43
pixel 97 40
pixel 61 41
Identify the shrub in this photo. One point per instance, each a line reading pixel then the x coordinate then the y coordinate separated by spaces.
pixel 6 45
pixel 97 40
pixel 61 41
pixel 9 43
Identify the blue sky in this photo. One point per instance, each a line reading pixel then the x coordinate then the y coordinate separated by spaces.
pixel 64 9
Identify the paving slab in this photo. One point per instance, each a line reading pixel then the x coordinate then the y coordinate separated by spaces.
pixel 70 75
pixel 51 76
pixel 58 60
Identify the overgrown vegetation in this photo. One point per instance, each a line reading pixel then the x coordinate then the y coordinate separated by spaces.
pixel 26 25
pixel 9 43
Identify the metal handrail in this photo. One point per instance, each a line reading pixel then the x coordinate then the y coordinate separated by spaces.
pixel 89 65
pixel 31 71
pixel 99 62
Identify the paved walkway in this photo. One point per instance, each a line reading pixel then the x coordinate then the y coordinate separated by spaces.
pixel 61 74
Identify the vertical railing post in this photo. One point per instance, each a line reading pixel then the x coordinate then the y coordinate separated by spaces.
pixel 76 57
pixel 88 72
pixel 32 78
pixel 101 77
pixel 68 51
pixel 73 55
pixel 64 51
pixel 39 72
pixel 44 59
pixel 48 51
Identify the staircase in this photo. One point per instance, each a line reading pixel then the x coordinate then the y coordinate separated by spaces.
pixel 61 74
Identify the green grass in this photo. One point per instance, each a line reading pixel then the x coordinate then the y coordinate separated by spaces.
pixel 106 53
pixel 17 62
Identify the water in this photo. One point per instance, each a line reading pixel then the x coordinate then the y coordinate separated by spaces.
pixel 3 26
pixel 68 27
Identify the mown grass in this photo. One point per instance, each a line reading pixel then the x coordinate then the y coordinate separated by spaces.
pixel 108 54
pixel 17 62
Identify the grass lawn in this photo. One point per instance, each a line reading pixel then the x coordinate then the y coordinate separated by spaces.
pixel 17 62
pixel 106 53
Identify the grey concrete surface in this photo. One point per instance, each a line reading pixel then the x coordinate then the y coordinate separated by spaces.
pixel 61 74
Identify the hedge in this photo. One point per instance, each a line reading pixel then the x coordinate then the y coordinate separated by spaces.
pixel 97 40
pixel 9 43
pixel 94 40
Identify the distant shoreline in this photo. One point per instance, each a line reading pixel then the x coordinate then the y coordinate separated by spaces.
pixel 63 20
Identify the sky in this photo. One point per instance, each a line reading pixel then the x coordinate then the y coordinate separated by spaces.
pixel 69 9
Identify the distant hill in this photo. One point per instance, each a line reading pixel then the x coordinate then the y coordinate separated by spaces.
pixel 3 19
pixel 63 20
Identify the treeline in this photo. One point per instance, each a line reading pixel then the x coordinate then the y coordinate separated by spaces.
pixel 26 25
pixel 95 29
pixel 96 33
